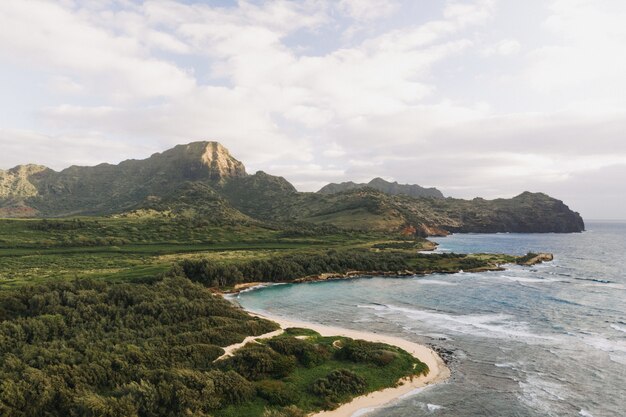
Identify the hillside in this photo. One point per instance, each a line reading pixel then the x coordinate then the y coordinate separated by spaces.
pixel 202 179
pixel 379 184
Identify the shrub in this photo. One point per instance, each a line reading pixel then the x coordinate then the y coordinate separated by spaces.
pixel 277 392
pixel 338 384
pixel 308 354
pixel 256 362
pixel 291 411
pixel 361 351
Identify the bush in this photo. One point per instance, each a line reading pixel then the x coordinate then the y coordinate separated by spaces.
pixel 291 411
pixel 256 362
pixel 337 385
pixel 361 351
pixel 232 387
pixel 308 354
pixel 277 392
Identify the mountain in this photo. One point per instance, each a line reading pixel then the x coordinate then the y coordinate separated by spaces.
pixel 204 179
pixel 391 188
pixel 181 178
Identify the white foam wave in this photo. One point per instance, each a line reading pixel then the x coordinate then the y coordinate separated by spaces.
pixel 412 393
pixel 618 328
pixel 605 344
pixel 362 412
pixel 511 365
pixel 531 280
pixel 539 394
pixel 433 407
pixel 606 285
pixel 615 348
pixel 486 325
pixel 436 282
pixel 585 413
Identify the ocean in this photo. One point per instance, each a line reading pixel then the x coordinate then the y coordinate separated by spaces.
pixel 547 340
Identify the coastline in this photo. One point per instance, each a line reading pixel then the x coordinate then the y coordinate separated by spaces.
pixel 536 258
pixel 438 371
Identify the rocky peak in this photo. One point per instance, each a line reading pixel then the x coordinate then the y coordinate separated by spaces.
pixel 220 161
pixel 16 182
pixel 198 160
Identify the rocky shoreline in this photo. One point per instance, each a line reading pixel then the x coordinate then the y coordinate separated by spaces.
pixel 532 260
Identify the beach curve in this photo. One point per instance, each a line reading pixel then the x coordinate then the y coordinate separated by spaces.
pixel 438 371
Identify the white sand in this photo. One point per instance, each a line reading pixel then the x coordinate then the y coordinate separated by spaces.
pixel 230 350
pixel 363 404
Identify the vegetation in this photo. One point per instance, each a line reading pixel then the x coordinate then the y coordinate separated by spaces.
pixel 187 182
pixel 294 266
pixel 131 248
pixel 523 259
pixel 92 348
pixel 88 348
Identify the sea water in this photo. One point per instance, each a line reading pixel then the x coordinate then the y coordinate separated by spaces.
pixel 547 340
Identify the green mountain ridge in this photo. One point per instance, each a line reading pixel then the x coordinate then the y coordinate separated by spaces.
pixel 392 188
pixel 204 179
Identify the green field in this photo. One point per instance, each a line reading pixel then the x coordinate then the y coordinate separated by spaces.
pixel 135 248
pixel 130 249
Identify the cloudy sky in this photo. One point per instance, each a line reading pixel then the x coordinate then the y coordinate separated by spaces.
pixel 477 97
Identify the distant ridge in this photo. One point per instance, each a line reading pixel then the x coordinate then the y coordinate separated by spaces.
pixel 391 188
pixel 203 180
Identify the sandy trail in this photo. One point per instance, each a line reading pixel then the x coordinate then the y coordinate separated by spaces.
pixel 230 350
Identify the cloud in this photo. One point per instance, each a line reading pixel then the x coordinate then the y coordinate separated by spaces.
pixel 39 33
pixel 28 147
pixel 504 47
pixel 585 63
pixel 475 97
pixel 364 10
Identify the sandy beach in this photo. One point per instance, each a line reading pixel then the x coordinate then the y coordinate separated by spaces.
pixel 438 370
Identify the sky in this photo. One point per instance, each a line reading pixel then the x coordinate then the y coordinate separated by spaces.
pixel 482 98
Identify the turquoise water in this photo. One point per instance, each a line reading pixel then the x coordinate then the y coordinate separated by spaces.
pixel 548 340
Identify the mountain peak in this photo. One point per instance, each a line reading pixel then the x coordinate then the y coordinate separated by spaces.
pixel 198 156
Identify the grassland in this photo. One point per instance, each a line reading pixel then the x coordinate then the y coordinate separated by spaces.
pixel 136 248
pixel 140 249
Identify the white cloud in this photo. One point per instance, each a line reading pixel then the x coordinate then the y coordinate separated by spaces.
pixel 504 47
pixel 45 34
pixel 586 63
pixel 364 10
pixel 416 93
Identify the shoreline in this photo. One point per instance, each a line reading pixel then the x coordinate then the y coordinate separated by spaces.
pixel 438 370
pixel 538 258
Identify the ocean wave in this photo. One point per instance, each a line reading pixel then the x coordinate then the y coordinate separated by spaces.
pixel 509 365
pixel 598 280
pixel 616 349
pixel 435 282
pixel 531 280
pixel 433 407
pixel 486 325
pixel 585 413
pixel 540 394
pixel 618 328
pixel 605 285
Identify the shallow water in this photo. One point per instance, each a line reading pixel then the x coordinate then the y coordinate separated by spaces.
pixel 548 340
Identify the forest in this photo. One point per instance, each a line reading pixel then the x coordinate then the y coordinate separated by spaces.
pixel 294 266
pixel 93 348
